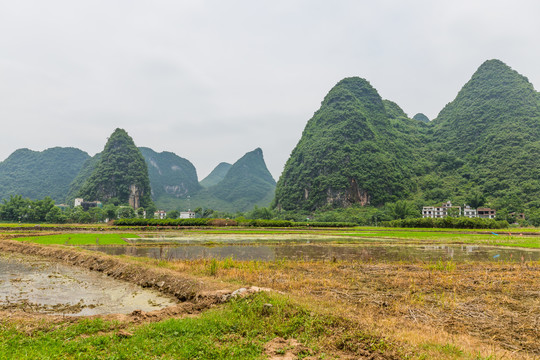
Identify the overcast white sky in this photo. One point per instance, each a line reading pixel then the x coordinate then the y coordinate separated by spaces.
pixel 212 80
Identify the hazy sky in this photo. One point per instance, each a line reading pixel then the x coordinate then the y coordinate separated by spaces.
pixel 212 80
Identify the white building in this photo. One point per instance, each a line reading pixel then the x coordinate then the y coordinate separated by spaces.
pixel 160 214
pixel 441 211
pixel 469 212
pixel 187 215
pixel 447 209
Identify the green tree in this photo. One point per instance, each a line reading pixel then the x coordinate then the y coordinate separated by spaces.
pixel 260 213
pixel 111 211
pixel 97 214
pixel 476 199
pixel 55 216
pixel 140 212
pixel 401 210
pixel 126 212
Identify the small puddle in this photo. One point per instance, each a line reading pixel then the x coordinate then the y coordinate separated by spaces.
pixel 326 252
pixel 36 285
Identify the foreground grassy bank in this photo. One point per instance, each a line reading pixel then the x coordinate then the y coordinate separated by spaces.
pixel 238 330
pixel 258 327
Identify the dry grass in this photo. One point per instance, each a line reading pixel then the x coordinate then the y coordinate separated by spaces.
pixel 488 309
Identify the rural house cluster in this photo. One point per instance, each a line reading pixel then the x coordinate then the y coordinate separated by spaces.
pixel 447 209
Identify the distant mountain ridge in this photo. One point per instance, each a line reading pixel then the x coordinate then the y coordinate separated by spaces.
pixel 245 184
pixel 37 174
pixel 173 180
pixel 170 175
pixel 357 149
pixel 216 175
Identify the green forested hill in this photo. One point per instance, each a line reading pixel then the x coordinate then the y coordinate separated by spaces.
pixel 356 148
pixel 87 169
pixel 488 139
pixel 483 147
pixel 216 175
pixel 170 175
pixel 247 183
pixel 35 174
pixel 121 174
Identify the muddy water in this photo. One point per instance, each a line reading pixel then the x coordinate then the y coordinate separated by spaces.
pixel 36 285
pixel 327 252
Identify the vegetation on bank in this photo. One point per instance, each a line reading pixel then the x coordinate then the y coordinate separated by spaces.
pixel 240 330
pixel 80 239
pixel 228 222
pixel 448 223
pixel 21 210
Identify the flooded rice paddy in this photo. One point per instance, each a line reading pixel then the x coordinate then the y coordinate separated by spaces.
pixel 32 284
pixel 331 252
pixel 36 285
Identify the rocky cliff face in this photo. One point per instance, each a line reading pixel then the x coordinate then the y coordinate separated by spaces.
pixel 170 175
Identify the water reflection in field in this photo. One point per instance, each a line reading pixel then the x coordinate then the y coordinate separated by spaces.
pixel 37 285
pixel 327 252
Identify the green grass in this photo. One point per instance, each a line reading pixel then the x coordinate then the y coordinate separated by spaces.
pixel 451 236
pixel 47 225
pixel 237 330
pixel 80 239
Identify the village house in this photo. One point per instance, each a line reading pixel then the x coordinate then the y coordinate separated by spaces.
pixel 87 204
pixel 160 214
pixel 447 209
pixel 187 215
pixel 469 212
pixel 486 213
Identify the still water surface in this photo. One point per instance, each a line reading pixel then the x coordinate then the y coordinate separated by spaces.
pixel 306 252
pixel 37 285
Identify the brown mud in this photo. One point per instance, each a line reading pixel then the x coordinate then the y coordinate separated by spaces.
pixel 194 295
pixel 166 281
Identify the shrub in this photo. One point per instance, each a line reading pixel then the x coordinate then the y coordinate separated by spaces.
pixel 449 223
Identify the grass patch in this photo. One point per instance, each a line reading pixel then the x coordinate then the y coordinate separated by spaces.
pixel 238 330
pixel 466 237
pixel 80 239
